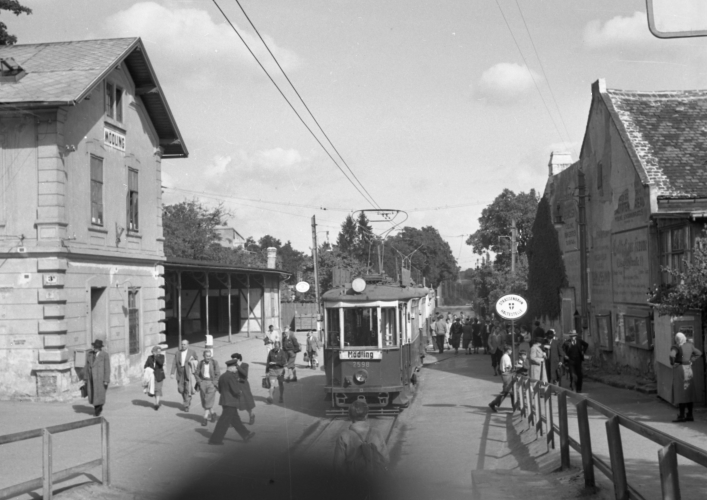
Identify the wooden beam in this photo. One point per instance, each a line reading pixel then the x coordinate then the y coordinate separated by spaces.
pixel 170 142
pixel 147 89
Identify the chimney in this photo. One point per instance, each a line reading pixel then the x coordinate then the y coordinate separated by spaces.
pixel 272 257
pixel 559 160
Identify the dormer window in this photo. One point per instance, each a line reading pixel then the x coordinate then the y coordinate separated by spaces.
pixel 114 102
pixel 10 71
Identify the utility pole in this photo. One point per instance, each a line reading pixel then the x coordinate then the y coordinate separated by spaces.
pixel 514 251
pixel 315 257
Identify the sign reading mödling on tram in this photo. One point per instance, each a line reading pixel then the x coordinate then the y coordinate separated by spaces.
pixel 511 306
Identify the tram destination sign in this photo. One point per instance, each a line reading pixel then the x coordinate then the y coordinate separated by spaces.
pixel 511 306
pixel 360 355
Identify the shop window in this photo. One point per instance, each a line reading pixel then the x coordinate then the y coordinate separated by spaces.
pixel 133 322
pixel 637 332
pixel 605 334
pixel 96 191
pixel 361 327
pixel 132 201
pixel 114 102
pixel 673 251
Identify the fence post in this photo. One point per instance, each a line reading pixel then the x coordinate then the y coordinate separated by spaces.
pixel 669 482
pixel 564 430
pixel 539 397
pixel 585 442
pixel 531 403
pixel 47 465
pixel 550 419
pixel 105 452
pixel 616 454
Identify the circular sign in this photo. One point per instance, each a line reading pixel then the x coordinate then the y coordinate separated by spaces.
pixel 511 306
pixel 358 285
pixel 302 287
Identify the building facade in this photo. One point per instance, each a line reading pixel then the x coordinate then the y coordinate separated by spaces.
pixel 83 130
pixel 634 203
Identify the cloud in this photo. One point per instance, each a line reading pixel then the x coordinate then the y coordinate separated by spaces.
pixel 188 41
pixel 622 31
pixel 505 83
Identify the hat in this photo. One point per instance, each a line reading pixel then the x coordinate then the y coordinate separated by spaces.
pixel 98 344
pixel 572 333
pixel 231 362
pixel 237 356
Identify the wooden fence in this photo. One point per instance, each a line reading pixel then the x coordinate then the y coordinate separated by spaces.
pixel 49 477
pixel 299 315
pixel 534 400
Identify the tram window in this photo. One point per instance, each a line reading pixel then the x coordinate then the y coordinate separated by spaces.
pixel 361 327
pixel 333 333
pixel 388 330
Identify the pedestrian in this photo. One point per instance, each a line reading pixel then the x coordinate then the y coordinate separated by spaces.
pixel 467 335
pixel 155 362
pixel 682 354
pixel 485 336
pixel 506 369
pixel 537 362
pixel 447 332
pixel 246 402
pixel 271 336
pixel 230 390
pixel 207 375
pixel 494 348
pixel 275 371
pixel 476 336
pixel 361 455
pixel 291 347
pixel 554 357
pixel 312 350
pixel 440 330
pixel 184 366
pixel 97 376
pixel 574 355
pixel 538 330
pixel 522 365
pixel 456 331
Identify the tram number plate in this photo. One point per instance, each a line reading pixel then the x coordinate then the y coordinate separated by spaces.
pixel 360 355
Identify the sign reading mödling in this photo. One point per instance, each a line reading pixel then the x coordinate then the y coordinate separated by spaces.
pixel 511 306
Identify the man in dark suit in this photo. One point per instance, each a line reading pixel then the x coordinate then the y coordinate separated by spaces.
pixel 230 390
pixel 97 376
pixel 185 364
pixel 555 357
pixel 574 354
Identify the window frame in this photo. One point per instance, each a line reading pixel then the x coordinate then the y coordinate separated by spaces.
pixel 96 221
pixel 133 318
pixel 133 201
pixel 672 255
pixel 606 342
pixel 114 97
pixel 633 319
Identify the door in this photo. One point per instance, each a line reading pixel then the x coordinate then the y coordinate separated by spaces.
pixel 99 316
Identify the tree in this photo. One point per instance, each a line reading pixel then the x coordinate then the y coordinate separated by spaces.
pixel 364 238
pixel 268 241
pixel 495 224
pixel 189 229
pixel 546 273
pixel 348 237
pixel 492 281
pixel 427 250
pixel 16 8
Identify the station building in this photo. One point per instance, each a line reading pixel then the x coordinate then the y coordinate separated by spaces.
pixel 83 130
pixel 636 201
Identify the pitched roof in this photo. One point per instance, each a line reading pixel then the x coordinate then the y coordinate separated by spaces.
pixel 668 132
pixel 64 73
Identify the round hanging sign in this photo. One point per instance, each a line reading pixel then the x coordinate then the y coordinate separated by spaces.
pixel 302 287
pixel 511 306
pixel 358 285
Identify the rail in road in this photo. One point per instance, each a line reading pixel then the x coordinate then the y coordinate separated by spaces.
pixel 534 400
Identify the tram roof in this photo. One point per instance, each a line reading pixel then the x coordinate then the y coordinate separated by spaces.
pixel 375 292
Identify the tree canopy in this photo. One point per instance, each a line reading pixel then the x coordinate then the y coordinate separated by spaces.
pixel 495 224
pixel 16 8
pixel 189 229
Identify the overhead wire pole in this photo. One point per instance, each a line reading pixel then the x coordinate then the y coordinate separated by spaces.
pixel 315 256
pixel 233 27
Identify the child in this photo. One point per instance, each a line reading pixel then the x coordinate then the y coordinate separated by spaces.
pixel 522 364
pixel 312 350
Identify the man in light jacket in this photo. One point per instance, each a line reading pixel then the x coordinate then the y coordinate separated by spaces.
pixel 185 363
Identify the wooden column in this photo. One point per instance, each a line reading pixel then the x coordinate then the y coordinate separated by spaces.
pixel 247 298
pixel 585 441
pixel 616 454
pixel 179 306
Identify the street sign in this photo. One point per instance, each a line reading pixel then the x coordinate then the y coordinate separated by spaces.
pixel 677 18
pixel 511 306
pixel 302 287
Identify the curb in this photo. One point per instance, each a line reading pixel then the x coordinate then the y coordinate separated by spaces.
pixel 623 385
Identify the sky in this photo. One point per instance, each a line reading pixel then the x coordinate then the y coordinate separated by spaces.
pixel 432 104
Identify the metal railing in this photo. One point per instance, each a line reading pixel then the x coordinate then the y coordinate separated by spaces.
pixel 49 476
pixel 534 400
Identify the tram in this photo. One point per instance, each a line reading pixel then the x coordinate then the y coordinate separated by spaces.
pixel 373 343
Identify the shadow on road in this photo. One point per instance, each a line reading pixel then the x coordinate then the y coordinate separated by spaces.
pixel 85 409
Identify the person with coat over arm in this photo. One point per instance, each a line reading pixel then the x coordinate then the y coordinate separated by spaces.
pixel 247 402
pixel 682 354
pixel 230 389
pixel 97 376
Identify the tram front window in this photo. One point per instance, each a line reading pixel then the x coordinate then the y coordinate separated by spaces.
pixel 361 327
pixel 333 329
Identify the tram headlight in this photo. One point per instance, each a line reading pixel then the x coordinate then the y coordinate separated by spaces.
pixel 360 376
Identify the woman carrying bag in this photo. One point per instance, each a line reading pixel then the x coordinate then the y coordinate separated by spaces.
pixel 155 362
pixel 246 401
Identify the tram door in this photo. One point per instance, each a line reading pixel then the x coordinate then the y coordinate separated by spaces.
pixel 405 357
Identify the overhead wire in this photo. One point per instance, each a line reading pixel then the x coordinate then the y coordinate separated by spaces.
pixel 527 67
pixel 304 103
pixel 235 30
pixel 542 68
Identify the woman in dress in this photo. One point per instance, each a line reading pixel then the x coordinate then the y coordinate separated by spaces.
pixel 537 362
pixel 467 334
pixel 246 401
pixel 156 362
pixel 682 354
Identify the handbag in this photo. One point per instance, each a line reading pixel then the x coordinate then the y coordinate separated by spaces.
pixel 306 356
pixel 266 383
pixel 84 391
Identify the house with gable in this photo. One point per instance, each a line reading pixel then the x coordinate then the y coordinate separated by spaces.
pixel 83 129
pixel 634 203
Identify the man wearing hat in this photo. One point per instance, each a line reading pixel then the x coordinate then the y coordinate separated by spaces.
pixel 555 357
pixel 97 376
pixel 230 390
pixel 574 354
